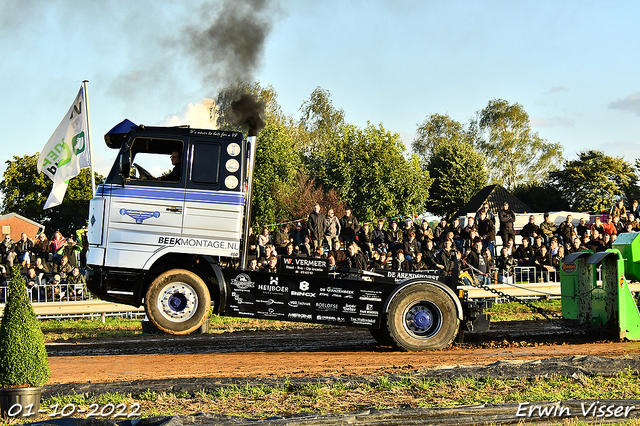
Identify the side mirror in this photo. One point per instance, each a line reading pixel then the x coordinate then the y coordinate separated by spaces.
pixel 125 167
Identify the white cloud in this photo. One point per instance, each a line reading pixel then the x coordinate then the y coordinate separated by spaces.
pixel 630 103
pixel 556 89
pixel 551 122
pixel 197 116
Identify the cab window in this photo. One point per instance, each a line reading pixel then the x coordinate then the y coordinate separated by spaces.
pixel 156 159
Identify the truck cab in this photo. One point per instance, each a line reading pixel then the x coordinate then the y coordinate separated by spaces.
pixel 175 197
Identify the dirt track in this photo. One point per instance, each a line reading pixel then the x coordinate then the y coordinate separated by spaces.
pixel 336 352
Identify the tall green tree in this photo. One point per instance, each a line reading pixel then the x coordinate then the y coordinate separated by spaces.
pixel 369 170
pixel 276 170
pixel 594 181
pixel 435 130
pixel 515 154
pixel 25 192
pixel 322 123
pixel 459 173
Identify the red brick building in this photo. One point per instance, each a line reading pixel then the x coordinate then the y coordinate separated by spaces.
pixel 14 225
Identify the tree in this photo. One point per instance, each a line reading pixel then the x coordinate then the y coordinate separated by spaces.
pixel 277 166
pixel 514 153
pixel 321 122
pixel 595 181
pixel 458 172
pixel 368 169
pixel 306 193
pixel 435 130
pixel 25 192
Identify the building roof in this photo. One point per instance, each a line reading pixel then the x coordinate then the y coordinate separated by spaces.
pixel 10 215
pixel 495 195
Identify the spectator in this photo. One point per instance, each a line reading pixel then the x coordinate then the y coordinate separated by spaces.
pixel 331 228
pixel 507 218
pixel 428 253
pixel 606 240
pixel 379 238
pixel 548 229
pixel 530 231
pixel 355 260
pixel 55 290
pixel 620 210
pixel 263 240
pixel 315 226
pixel 489 259
pixel 487 232
pixel 8 251
pixel 418 264
pixel 609 227
pixel 289 250
pixel 635 210
pixel 300 239
pixel 57 246
pixel 524 254
pixel 477 258
pixel 446 258
pixel 566 229
pixel 82 238
pixel 455 229
pixel 268 253
pixel 487 211
pixel 63 269
pixel 537 243
pixel 43 269
pixel 595 243
pixel 252 242
pixel 384 261
pixel 582 228
pixel 72 251
pixel 394 236
pixel 253 265
pixel 399 262
pixel 634 223
pixel 505 265
pixel 410 247
pixel 554 246
pixel 35 285
pixel 331 264
pixel 597 224
pixel 41 248
pixel 439 234
pixel 348 226
pixel 619 225
pixel 281 239
pixel 76 283
pixel 365 239
pixel 319 254
pixel 407 228
pixel 468 231
pixel 543 264
pixel 337 253
pixel 272 265
pixel 424 233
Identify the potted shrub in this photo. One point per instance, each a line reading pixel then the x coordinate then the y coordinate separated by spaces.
pixel 24 365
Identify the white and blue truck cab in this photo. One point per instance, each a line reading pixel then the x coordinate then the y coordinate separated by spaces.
pixel 168 230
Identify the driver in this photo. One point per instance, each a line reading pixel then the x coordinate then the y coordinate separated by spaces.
pixel 175 174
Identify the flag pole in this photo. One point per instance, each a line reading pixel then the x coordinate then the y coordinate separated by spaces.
pixel 86 103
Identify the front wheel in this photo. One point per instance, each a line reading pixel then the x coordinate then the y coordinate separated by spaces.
pixel 422 317
pixel 177 302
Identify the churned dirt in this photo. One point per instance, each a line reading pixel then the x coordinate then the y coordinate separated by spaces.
pixel 314 353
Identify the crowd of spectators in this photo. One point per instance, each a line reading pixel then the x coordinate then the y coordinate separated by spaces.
pixel 409 246
pixel 53 269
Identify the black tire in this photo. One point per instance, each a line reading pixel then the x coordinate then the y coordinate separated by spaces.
pixel 422 317
pixel 177 302
pixel 381 335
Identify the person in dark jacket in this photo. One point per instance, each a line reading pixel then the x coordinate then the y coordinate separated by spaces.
pixel 355 259
pixel 477 258
pixel 507 218
pixel 348 226
pixel 446 257
pixel 410 247
pixel 487 232
pixel 315 226
pixel 531 230
pixel 379 238
pixel 505 265
pixel 566 228
pixel 365 240
pixel 524 254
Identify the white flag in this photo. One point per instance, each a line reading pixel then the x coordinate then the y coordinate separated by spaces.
pixel 67 150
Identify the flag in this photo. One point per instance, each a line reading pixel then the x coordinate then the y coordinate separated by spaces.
pixel 67 150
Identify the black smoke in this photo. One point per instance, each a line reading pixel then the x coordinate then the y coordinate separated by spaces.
pixel 230 49
pixel 248 111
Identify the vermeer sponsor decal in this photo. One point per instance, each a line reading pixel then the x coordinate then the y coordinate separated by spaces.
pixel 303 266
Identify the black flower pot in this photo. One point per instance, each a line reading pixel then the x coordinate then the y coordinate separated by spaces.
pixel 20 402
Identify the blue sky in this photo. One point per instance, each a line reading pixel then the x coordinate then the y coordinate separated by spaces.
pixel 573 65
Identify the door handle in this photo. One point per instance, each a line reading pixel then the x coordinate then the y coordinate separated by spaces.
pixel 174 209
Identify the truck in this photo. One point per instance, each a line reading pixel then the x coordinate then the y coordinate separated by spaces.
pixel 177 244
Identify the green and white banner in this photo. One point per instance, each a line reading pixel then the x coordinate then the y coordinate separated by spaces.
pixel 67 151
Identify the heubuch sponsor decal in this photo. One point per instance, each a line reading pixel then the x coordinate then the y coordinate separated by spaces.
pixel 242 282
pixel 298 316
pixel 362 321
pixel 328 307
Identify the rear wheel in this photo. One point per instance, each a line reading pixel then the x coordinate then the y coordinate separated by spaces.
pixel 177 302
pixel 422 317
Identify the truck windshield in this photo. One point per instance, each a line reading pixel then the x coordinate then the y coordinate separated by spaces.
pixel 156 159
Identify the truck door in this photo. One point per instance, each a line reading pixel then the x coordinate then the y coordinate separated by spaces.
pixel 146 213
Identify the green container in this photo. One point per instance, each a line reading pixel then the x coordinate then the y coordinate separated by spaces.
pixel 20 402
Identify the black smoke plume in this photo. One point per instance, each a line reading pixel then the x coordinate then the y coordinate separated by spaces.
pixel 248 111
